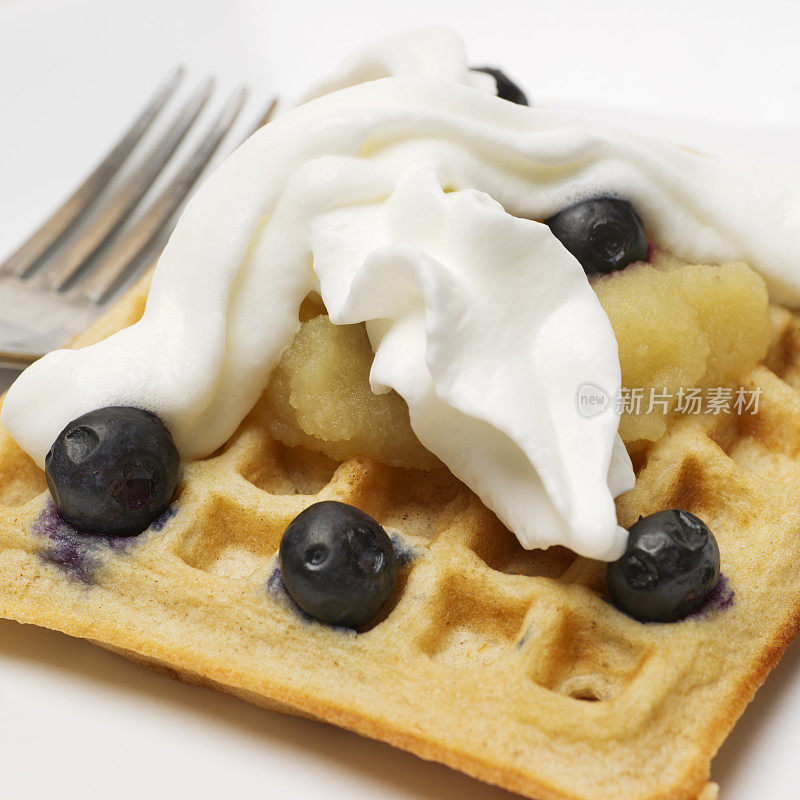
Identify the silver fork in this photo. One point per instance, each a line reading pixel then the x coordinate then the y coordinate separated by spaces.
pixel 61 278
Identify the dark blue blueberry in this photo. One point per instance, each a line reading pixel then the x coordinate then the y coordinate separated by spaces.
pixel 338 564
pixel 670 567
pixel 506 88
pixel 113 471
pixel 605 234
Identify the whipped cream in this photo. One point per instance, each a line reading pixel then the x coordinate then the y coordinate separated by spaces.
pixel 408 203
pixel 425 53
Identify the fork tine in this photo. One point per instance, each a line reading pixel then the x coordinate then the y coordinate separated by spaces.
pixel 127 254
pixel 127 259
pixel 31 252
pixel 127 197
pixel 265 117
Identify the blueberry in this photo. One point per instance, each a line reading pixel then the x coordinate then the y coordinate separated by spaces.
pixel 669 569
pixel 113 471
pixel 338 564
pixel 605 234
pixel 506 88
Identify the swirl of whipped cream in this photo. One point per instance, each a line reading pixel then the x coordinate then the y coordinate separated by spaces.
pixel 432 52
pixel 408 203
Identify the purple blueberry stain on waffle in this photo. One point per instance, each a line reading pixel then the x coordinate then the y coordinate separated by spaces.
pixel 722 598
pixel 80 555
pixel 160 522
pixel 404 552
pixel 525 636
pixel 62 545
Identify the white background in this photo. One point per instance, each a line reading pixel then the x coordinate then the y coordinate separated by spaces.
pixel 76 722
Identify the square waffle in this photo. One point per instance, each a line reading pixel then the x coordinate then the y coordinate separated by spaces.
pixel 507 664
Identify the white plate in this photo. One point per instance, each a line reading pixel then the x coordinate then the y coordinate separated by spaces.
pixel 77 722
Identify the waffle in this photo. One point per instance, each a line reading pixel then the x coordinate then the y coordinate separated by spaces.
pixel 506 664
